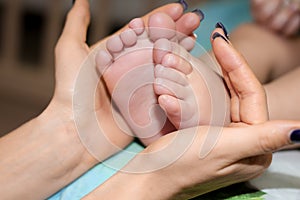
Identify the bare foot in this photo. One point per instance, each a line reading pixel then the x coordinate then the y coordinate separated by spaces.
pixel 189 91
pixel 128 70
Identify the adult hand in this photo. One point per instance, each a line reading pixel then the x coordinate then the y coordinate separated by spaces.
pixel 282 16
pixel 46 154
pixel 77 111
pixel 199 165
pixel 71 56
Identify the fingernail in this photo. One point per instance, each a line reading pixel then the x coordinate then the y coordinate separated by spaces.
pixel 220 25
pixel 295 136
pixel 73 1
pixel 218 35
pixel 199 13
pixel 184 4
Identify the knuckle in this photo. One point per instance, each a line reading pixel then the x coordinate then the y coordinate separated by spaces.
pixel 272 140
pixel 266 143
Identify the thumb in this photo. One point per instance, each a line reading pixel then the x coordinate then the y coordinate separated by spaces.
pixel 268 137
pixel 77 22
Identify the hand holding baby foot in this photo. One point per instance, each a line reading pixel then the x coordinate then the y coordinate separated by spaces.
pixel 128 70
pixel 248 98
pixel 242 152
pixel 190 92
pixel 71 52
pixel 248 107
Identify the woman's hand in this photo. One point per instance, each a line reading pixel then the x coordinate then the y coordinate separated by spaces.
pixel 69 104
pixel 195 161
pixel 282 16
pixel 48 152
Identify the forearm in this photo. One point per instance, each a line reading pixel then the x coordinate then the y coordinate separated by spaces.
pixel 40 157
pixel 283 96
pixel 134 186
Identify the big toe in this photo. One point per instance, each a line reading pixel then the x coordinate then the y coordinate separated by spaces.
pixel 161 26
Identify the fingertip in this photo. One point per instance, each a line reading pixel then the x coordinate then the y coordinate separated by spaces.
pixel 78 20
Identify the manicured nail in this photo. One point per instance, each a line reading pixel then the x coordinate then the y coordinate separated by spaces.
pixel 199 13
pixel 184 4
pixel 295 136
pixel 216 35
pixel 220 25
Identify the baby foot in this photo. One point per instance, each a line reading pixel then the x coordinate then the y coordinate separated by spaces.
pixel 128 70
pixel 189 92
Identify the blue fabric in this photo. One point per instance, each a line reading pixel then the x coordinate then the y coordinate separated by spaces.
pixel 231 13
pixel 97 175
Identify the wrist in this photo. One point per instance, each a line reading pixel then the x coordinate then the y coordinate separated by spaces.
pixel 44 151
pixel 59 130
pixel 132 186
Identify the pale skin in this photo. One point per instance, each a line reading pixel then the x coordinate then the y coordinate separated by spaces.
pixel 164 184
pixel 274 58
pixel 48 147
pixel 46 154
pixel 280 16
pixel 129 73
pixel 181 90
pixel 275 61
pixel 127 69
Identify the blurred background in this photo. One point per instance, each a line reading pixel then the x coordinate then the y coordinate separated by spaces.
pixel 29 30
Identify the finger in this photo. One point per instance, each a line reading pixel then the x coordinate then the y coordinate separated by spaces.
pixel 264 10
pixel 281 19
pixel 174 10
pixel 256 6
pixel 77 22
pixel 293 26
pixel 249 91
pixel 253 166
pixel 259 139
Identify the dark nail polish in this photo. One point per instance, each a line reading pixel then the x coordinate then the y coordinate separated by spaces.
pixel 184 4
pixel 73 2
pixel 199 13
pixel 216 35
pixel 295 136
pixel 220 25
